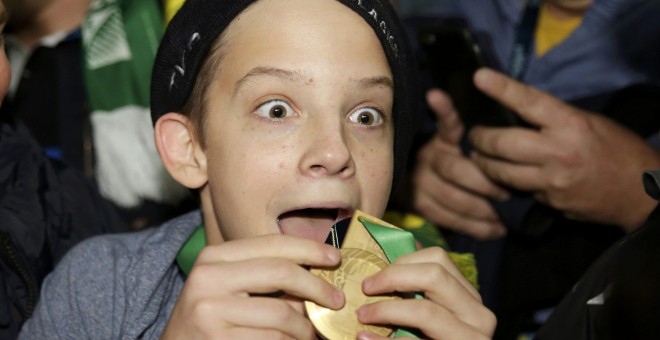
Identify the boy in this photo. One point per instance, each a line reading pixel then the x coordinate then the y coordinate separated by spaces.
pixel 283 115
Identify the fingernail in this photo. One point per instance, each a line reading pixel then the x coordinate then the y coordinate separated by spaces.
pixel 338 298
pixel 483 76
pixel 365 336
pixel 360 312
pixel 366 285
pixel 503 196
pixel 500 232
pixel 333 255
pixel 432 94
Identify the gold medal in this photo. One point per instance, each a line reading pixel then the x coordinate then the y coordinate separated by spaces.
pixel 356 265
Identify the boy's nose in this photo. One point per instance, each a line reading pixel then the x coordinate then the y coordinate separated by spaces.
pixel 327 153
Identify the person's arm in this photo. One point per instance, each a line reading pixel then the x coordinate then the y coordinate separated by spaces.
pixel 578 162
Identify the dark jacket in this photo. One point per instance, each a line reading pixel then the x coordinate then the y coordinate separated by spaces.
pixel 619 296
pixel 45 209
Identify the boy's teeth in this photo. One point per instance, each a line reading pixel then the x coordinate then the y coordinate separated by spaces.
pixel 313 224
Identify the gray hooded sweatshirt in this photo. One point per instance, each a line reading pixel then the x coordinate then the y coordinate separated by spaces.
pixel 121 286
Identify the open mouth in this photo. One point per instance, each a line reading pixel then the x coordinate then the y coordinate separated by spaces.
pixel 311 223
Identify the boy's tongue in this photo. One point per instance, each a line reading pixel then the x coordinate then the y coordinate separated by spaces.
pixel 313 224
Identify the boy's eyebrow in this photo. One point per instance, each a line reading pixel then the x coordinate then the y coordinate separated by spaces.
pixel 292 76
pixel 298 76
pixel 376 82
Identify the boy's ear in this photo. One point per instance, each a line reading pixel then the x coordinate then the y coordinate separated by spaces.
pixel 180 151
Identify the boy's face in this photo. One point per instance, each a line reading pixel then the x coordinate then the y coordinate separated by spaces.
pixel 299 126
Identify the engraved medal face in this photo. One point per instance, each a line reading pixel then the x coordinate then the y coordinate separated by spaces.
pixel 356 265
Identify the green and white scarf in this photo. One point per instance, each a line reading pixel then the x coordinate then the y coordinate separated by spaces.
pixel 120 40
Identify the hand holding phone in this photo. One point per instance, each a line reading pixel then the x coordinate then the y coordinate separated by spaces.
pixel 452 56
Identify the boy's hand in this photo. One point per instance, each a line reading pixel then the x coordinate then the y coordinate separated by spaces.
pixel 226 293
pixel 448 188
pixel 451 309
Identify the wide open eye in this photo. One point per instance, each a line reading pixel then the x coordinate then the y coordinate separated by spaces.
pixel 274 109
pixel 367 116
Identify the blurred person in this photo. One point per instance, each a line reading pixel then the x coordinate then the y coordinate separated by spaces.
pixel 88 62
pixel 617 297
pixel 539 187
pixel 43 44
pixel 46 207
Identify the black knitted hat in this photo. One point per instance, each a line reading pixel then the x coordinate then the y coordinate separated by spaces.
pixel 193 30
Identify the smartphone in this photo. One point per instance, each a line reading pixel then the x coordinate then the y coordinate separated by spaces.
pixel 452 56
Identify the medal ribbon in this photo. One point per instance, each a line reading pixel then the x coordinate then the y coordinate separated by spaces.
pixel 189 251
pixel 394 242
